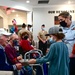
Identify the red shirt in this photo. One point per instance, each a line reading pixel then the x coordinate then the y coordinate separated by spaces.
pixel 25 44
pixel 11 54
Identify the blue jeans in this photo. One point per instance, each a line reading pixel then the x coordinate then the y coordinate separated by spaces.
pixel 26 70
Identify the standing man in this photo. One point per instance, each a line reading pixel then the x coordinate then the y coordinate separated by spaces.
pixel 22 30
pixel 69 30
pixel 29 27
pixel 43 39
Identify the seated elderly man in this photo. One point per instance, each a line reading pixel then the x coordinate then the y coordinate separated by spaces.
pixel 11 53
pixel 4 64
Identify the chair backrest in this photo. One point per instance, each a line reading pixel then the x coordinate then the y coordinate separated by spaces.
pixel 37 54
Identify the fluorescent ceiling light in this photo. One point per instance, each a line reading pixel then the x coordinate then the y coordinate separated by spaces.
pixel 69 2
pixel 13 10
pixel 27 1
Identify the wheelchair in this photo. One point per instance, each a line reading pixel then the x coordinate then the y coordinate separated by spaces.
pixel 40 69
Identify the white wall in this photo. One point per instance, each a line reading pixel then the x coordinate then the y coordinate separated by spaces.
pixel 29 17
pixel 5 20
pixel 1 22
pixel 19 16
pixel 41 16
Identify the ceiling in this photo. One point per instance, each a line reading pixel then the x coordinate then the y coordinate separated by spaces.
pixel 22 5
pixel 51 2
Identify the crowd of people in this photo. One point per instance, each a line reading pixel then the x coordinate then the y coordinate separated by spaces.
pixel 61 53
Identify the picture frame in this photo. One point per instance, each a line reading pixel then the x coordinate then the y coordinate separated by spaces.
pixel 56 21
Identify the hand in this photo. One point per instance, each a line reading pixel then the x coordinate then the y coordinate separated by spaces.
pixel 44 41
pixel 35 48
pixel 32 45
pixel 47 51
pixel 19 66
pixel 32 61
pixel 19 57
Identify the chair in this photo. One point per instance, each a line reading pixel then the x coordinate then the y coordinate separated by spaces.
pixel 28 56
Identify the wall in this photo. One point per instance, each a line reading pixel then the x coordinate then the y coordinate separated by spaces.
pixel 1 22
pixel 41 16
pixel 19 16
pixel 5 19
pixel 29 18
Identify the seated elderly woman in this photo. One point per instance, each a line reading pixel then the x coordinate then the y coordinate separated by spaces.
pixel 25 43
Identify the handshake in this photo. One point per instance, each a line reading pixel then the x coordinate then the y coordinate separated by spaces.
pixel 27 62
pixel 24 63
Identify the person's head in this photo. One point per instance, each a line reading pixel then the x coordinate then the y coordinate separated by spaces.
pixel 23 25
pixel 56 33
pixel 65 19
pixel 43 27
pixel 14 22
pixel 29 27
pixel 4 36
pixel 14 39
pixel 25 35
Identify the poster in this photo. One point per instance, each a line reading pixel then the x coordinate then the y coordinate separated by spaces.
pixel 56 21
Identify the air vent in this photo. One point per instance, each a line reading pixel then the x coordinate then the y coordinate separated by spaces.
pixel 43 1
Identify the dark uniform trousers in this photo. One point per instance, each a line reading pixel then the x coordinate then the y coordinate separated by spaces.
pixel 43 47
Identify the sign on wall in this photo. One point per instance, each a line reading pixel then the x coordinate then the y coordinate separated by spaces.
pixel 59 11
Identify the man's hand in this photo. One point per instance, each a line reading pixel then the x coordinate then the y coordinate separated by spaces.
pixel 19 58
pixel 44 41
pixel 19 66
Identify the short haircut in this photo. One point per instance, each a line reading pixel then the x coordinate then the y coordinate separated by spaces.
pixel 43 25
pixel 29 25
pixel 64 14
pixel 13 36
pixel 23 25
